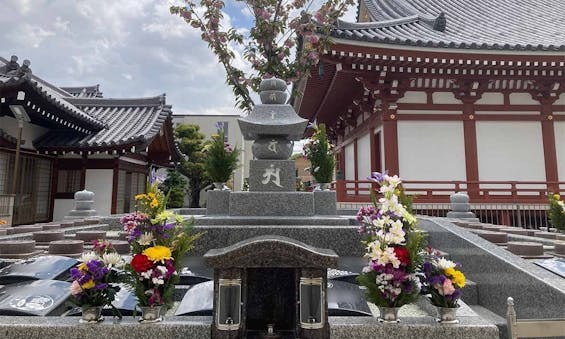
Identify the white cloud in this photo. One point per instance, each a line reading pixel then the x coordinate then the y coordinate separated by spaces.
pixel 34 35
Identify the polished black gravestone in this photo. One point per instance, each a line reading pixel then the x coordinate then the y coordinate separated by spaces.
pixel 270 287
pixel 45 267
pixel 555 265
pixel 39 297
pixel 198 300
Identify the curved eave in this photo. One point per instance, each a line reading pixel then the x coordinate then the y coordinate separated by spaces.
pixel 442 48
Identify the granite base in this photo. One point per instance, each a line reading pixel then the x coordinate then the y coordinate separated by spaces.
pixel 271 204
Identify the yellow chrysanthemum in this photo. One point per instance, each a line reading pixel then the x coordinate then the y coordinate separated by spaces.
pixel 82 267
pixel 154 203
pixel 139 196
pixel 556 196
pixel 88 285
pixel 457 277
pixel 151 195
pixel 158 253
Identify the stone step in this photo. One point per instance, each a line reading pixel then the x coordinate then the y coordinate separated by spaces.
pixel 559 248
pixel 470 293
pixel 492 318
pixel 258 221
pixel 527 249
pixel 498 238
pixel 18 249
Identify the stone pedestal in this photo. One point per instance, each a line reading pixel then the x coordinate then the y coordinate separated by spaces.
pixel 218 202
pixel 325 203
pixel 272 175
pixel 271 204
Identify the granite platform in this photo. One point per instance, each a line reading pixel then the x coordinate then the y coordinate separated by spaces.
pixel 18 327
pixel 498 273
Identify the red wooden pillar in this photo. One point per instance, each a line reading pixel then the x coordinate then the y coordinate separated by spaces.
pixel 549 148
pixel 390 129
pixel 471 153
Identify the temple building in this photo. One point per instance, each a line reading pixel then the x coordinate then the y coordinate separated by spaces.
pixel 450 95
pixel 55 141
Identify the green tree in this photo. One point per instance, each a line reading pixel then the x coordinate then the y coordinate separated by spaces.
pixel 191 143
pixel 174 188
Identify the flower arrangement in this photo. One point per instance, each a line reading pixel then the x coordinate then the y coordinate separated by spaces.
pixel 557 212
pixel 157 244
pixel 394 246
pixel 220 159
pixel 442 281
pixel 320 153
pixel 96 278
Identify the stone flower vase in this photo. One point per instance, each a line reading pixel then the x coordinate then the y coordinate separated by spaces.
pixel 152 314
pixel 388 314
pixel 218 186
pixel 447 315
pixel 92 314
pixel 323 186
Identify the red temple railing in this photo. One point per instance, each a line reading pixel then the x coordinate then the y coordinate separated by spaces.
pixel 480 192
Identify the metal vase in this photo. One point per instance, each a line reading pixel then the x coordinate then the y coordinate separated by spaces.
pixel 92 314
pixel 388 314
pixel 152 314
pixel 447 315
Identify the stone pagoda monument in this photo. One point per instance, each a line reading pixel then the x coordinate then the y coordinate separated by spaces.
pixel 273 125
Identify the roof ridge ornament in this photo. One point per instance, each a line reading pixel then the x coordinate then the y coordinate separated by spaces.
pixel 13 69
pixel 438 23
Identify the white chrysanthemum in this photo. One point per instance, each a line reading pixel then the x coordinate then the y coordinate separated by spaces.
pixel 145 239
pixel 158 281
pixel 162 269
pixel 147 274
pixel 87 256
pixel 113 259
pixel 444 264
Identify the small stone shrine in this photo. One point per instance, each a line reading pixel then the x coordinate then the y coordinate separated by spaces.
pixel 270 287
pixel 84 201
pixel 460 207
pixel 274 126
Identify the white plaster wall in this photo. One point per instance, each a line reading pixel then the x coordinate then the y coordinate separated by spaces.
pixel 431 150
pixel 559 127
pixel 99 181
pixel 424 111
pixel 207 127
pixel 491 99
pixel 414 97
pixel 61 208
pixel 509 112
pixel 364 156
pixel 349 162
pixel 522 99
pixel 561 100
pixel 30 132
pixel 510 150
pixel 444 98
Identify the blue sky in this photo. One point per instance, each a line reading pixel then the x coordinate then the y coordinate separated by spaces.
pixel 132 48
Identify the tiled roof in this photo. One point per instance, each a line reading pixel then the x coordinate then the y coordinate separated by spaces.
pixel 466 24
pixel 130 122
pixel 51 94
pixel 84 91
